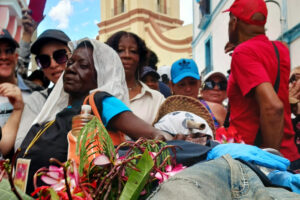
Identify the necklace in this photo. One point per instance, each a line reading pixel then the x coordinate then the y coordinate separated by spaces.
pixel 37 136
pixel 132 88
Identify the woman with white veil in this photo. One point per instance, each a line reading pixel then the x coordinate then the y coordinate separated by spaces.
pixel 92 66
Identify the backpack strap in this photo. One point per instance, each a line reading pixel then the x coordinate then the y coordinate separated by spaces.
pixel 92 103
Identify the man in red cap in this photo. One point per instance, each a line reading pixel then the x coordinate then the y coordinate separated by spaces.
pixel 260 113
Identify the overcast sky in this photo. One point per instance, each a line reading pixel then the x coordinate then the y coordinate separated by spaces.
pixel 78 18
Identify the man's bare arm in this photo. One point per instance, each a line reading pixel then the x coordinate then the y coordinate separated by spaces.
pixel 271 115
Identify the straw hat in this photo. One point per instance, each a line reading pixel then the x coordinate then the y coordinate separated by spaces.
pixel 185 103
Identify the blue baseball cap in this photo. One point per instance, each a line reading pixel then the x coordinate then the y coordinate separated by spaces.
pixel 183 68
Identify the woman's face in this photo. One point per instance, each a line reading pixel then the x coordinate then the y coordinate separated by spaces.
pixel 55 69
pixel 128 52
pixel 215 94
pixel 80 75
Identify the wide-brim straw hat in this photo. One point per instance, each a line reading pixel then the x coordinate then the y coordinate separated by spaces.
pixel 185 103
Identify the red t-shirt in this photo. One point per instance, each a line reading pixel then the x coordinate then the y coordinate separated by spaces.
pixel 255 62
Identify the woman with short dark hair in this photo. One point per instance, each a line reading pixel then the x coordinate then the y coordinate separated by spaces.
pixel 144 101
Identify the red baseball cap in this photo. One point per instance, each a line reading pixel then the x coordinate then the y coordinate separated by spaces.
pixel 245 9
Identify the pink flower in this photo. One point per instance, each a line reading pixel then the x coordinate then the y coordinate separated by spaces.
pixel 152 154
pixel 55 178
pixel 170 171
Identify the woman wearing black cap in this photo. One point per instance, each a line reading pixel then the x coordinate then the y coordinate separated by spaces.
pixel 150 77
pixel 51 51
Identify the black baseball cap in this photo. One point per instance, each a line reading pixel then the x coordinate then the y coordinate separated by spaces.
pixel 149 70
pixel 5 36
pixel 48 35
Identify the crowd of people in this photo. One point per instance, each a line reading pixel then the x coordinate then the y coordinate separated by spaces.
pixel 259 98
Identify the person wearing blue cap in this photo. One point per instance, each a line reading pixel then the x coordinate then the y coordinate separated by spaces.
pixel 185 80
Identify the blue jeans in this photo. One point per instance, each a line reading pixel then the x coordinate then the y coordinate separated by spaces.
pixel 223 178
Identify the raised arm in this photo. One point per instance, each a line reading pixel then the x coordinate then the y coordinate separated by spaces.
pixel 29 27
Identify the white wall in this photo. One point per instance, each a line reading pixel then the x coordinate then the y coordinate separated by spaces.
pixel 273 25
pixel 293 14
pixel 295 53
pixel 219 34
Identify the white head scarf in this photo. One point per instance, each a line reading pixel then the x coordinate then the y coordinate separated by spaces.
pixel 110 78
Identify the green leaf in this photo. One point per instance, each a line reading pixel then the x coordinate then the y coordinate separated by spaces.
pixel 53 194
pixel 137 180
pixel 94 129
pixel 7 194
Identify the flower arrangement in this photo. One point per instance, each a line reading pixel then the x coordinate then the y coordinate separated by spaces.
pixel 129 171
pixel 228 135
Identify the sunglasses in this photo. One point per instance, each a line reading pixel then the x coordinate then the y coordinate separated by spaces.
pixel 26 12
pixel 8 51
pixel 209 85
pixel 44 61
pixel 294 77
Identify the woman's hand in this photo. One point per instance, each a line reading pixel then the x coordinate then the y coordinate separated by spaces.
pixel 294 96
pixel 14 95
pixel 294 90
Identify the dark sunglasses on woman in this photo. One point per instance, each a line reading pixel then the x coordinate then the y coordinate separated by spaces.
pixel 209 85
pixel 294 77
pixel 44 60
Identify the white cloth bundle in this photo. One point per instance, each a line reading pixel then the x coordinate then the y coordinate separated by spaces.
pixel 176 122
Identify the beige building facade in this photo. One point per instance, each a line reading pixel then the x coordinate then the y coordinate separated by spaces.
pixel 156 21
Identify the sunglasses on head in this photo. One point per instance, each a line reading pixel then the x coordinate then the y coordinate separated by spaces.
pixel 209 85
pixel 44 61
pixel 26 12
